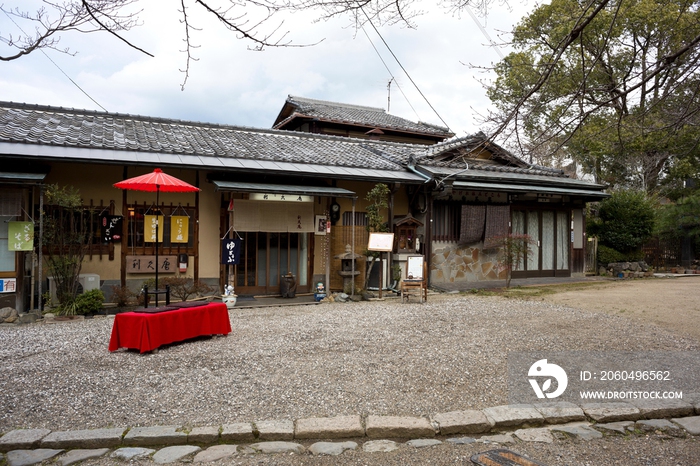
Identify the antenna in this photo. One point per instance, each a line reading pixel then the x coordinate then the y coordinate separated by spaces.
pixel 388 97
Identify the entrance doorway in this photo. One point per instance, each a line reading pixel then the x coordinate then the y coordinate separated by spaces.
pixel 550 235
pixel 266 256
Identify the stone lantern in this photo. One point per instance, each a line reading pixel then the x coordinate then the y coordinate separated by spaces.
pixel 348 263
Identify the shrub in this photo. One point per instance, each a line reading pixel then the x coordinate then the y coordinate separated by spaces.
pixel 608 255
pixel 625 221
pixel 183 288
pixel 513 248
pixel 89 302
pixel 121 295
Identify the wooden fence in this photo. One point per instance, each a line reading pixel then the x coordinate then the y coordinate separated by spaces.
pixel 341 237
pixel 591 256
pixel 663 254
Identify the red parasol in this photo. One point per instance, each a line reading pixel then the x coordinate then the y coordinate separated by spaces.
pixel 157 182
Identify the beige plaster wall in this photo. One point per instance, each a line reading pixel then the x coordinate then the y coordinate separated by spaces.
pixel 209 235
pixel 93 182
pixel 96 182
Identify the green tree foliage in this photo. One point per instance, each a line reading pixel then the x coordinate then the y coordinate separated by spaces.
pixel 611 83
pixel 376 210
pixel 681 220
pixel 376 219
pixel 625 221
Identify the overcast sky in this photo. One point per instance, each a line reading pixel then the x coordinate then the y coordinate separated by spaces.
pixel 231 84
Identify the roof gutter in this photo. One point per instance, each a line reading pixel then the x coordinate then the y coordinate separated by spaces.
pixel 411 165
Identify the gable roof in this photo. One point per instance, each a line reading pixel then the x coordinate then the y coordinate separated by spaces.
pixel 358 115
pixel 475 147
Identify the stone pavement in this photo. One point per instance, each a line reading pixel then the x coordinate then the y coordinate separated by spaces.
pixel 508 424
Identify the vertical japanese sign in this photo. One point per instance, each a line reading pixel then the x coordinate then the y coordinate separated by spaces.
pixel 149 226
pixel 111 228
pixel 179 229
pixel 21 236
pixel 230 251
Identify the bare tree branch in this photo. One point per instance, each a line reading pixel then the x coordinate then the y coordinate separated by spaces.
pixel 110 30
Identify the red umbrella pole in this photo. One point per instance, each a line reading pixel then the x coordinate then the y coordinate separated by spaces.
pixel 157 227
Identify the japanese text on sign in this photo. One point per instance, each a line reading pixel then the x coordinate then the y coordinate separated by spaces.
pixel 179 229
pixel 280 197
pixel 147 264
pixel 8 285
pixel 150 223
pixel 230 248
pixel 111 228
pixel 21 236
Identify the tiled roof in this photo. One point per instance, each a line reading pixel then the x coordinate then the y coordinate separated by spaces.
pixel 358 115
pixel 476 142
pixel 43 125
pixel 54 132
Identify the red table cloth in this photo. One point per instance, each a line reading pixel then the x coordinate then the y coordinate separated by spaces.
pixel 146 332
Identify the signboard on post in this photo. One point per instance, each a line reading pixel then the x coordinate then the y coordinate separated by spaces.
pixel 383 242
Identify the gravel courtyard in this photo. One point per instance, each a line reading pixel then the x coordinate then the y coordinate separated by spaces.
pixel 291 362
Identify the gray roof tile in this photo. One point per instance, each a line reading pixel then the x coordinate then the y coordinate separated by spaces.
pixel 139 139
pixel 33 124
pixel 359 115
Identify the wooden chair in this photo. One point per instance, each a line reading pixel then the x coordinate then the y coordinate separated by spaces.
pixel 416 281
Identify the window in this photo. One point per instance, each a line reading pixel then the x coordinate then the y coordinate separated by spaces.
pixel 76 223
pixel 447 219
pixel 7 257
pixel 360 219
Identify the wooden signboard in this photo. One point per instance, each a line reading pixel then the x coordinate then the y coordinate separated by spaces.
pixel 383 242
pixel 147 264
pixel 414 268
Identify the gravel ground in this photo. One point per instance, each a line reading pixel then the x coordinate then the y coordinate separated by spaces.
pixel 383 358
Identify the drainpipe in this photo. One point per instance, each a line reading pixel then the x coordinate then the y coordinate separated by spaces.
pixel 327 245
pixel 427 241
pixel 352 251
pixel 41 246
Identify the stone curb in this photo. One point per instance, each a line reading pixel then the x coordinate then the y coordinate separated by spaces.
pixel 488 420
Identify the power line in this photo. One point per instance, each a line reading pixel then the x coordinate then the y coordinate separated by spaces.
pixel 404 70
pixel 389 71
pixel 56 65
pixel 483 31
